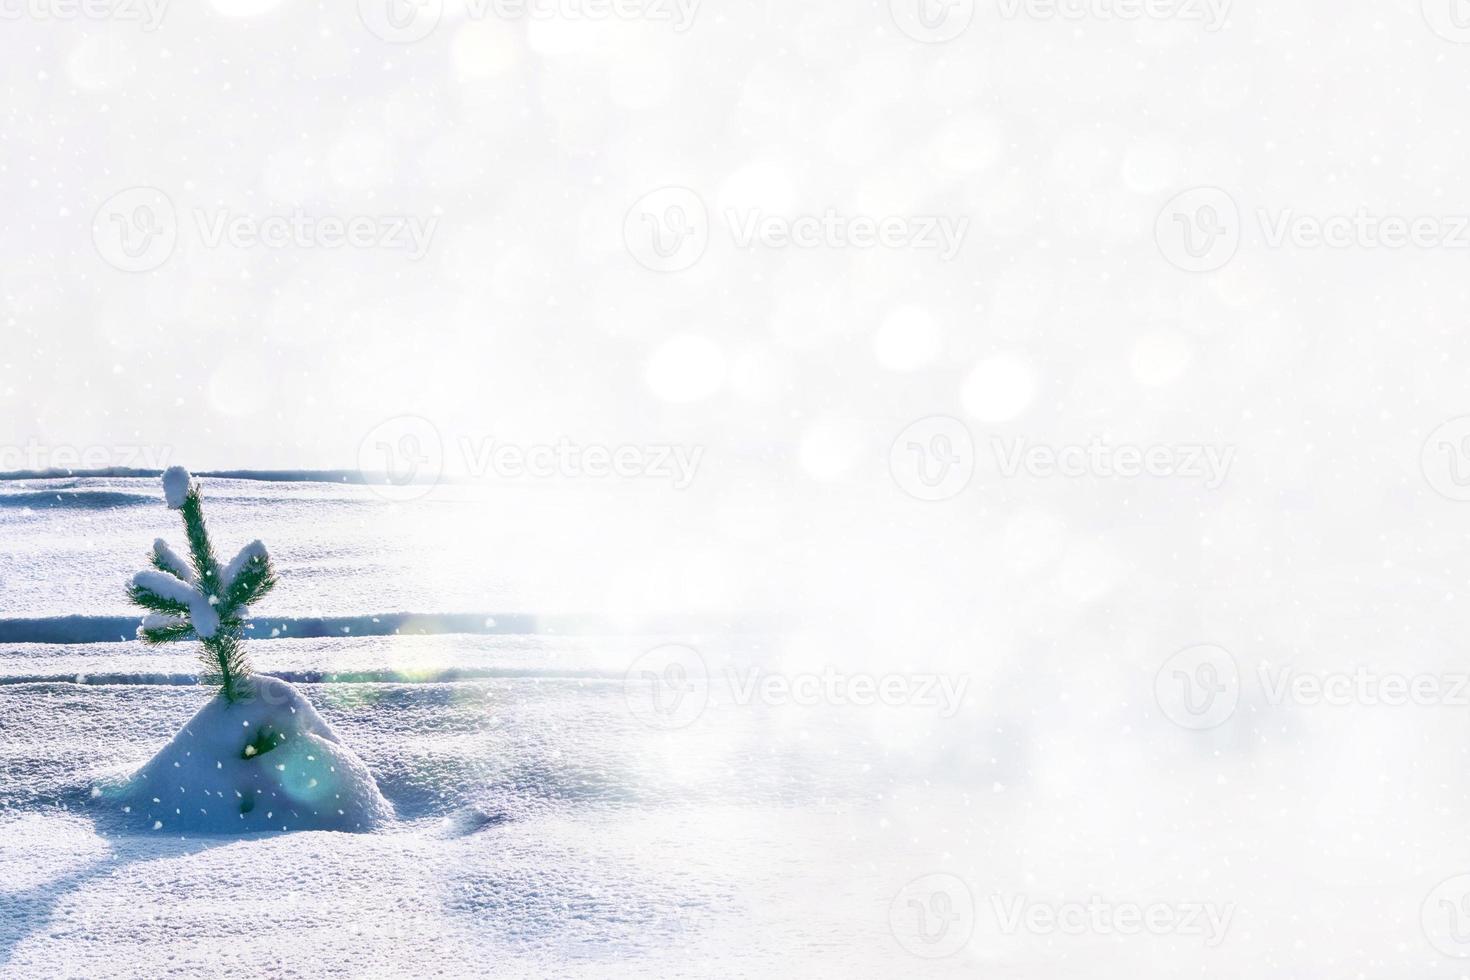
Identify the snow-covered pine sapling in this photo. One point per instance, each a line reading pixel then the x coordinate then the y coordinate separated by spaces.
pixel 256 756
pixel 195 598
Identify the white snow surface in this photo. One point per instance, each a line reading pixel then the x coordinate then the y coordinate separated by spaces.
pixel 176 484
pixel 542 829
pixel 70 546
pixel 212 777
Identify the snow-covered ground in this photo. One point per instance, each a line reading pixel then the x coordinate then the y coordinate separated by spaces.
pixel 70 545
pixel 543 831
pixel 551 820
pixel 581 793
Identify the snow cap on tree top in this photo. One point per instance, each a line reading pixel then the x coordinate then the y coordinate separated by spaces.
pixel 176 483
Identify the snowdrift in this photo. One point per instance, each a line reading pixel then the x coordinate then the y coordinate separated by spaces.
pixel 266 763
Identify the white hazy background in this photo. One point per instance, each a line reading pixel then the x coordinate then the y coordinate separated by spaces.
pixel 1088 152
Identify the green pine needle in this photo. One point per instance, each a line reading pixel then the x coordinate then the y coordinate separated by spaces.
pixel 157 562
pixel 252 583
pixel 201 551
pixel 154 602
pixel 225 660
pixel 159 635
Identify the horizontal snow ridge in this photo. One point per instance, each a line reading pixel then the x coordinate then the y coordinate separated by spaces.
pixel 113 629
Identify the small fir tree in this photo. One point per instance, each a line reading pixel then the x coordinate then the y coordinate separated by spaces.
pixel 196 598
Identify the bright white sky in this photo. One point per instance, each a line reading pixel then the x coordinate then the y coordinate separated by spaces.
pixel 514 151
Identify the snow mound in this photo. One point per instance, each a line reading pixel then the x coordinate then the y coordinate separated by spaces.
pixel 269 763
pixel 176 483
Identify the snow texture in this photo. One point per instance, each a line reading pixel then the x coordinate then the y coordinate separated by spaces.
pixel 71 545
pixel 267 763
pixel 542 830
pixel 255 549
pixel 202 613
pixel 176 484
pixel 166 586
pixel 173 561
